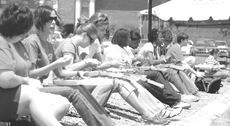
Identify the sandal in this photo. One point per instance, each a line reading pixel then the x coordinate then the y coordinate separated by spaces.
pixel 170 112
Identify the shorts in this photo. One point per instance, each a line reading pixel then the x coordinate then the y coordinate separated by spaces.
pixel 9 102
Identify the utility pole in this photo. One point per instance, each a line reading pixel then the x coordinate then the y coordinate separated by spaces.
pixel 150 15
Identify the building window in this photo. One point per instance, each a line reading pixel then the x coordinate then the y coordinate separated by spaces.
pixel 3 3
pixel 85 8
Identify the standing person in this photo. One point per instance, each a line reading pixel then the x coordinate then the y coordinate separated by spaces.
pixel 17 95
pixel 43 60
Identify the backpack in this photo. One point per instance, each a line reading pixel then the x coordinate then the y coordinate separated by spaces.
pixel 209 85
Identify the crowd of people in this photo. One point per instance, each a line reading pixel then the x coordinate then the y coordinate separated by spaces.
pixel 28 57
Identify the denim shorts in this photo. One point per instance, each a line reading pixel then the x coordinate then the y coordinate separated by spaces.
pixel 9 101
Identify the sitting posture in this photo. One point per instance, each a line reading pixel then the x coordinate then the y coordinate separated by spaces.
pixel 39 56
pixel 18 96
pixel 176 57
pixel 132 94
pixel 213 73
pixel 149 53
pixel 212 67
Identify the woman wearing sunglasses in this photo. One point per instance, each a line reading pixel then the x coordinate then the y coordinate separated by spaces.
pixel 43 59
pixel 18 97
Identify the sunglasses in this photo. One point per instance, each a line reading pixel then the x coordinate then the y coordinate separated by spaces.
pixel 101 20
pixel 52 19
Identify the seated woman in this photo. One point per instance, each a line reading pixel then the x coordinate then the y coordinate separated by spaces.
pixel 18 97
pixel 41 59
pixel 95 50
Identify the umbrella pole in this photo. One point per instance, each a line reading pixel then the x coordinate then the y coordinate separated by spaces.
pixel 150 15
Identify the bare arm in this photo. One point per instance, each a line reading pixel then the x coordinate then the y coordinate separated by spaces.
pixel 186 66
pixel 59 72
pixel 105 65
pixel 10 80
pixel 151 61
pixel 74 66
pixel 98 56
pixel 38 72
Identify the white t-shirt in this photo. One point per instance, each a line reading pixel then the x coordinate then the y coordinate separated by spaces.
pixel 147 47
pixel 115 52
pixel 91 49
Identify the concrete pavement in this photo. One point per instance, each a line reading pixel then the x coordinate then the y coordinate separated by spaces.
pixel 206 114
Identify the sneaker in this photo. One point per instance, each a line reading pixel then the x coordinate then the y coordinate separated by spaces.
pixel 156 120
pixel 189 98
pixel 170 112
pixel 182 105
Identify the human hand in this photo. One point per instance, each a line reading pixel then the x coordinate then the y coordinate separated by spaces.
pixel 91 62
pixel 117 63
pixel 63 61
pixel 199 74
pixel 34 83
pixel 83 74
pixel 167 58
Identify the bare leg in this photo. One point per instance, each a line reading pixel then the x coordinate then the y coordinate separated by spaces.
pixel 135 103
pixel 59 105
pixel 31 102
pixel 179 84
pixel 128 93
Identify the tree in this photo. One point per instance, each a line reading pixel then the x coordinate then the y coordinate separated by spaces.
pixel 224 31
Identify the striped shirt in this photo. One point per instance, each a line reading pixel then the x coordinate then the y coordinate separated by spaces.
pixel 211 61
